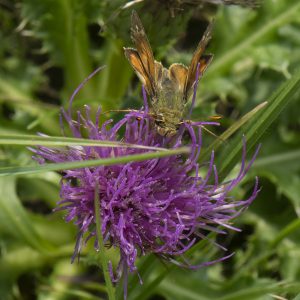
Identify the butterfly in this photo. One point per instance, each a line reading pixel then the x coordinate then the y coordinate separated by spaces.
pixel 169 89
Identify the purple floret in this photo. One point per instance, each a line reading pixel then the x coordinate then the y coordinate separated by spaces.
pixel 160 206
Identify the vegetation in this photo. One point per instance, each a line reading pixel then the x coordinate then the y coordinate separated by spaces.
pixel 49 47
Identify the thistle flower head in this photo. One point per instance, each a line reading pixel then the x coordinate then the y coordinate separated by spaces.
pixel 160 206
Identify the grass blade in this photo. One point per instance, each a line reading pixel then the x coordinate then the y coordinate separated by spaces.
pixel 33 140
pixel 90 163
pixel 231 130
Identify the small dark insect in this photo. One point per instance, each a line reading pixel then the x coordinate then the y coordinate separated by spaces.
pixel 168 89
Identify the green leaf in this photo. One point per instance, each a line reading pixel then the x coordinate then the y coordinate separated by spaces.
pixel 14 218
pixel 153 271
pixel 263 290
pixel 33 140
pixel 59 289
pixel 117 69
pixel 146 266
pixel 12 94
pixel 240 49
pixel 285 232
pixel 282 169
pixel 191 288
pixel 258 126
pixel 288 183
pixel 231 130
pixel 14 262
pixel 90 163
pixel 274 57
pixel 62 27
pixel 278 160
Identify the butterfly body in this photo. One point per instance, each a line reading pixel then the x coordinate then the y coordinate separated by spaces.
pixel 168 89
pixel 166 104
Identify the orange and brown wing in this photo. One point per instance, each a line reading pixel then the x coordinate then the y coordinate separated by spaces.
pixel 178 74
pixel 140 40
pixel 133 57
pixel 198 58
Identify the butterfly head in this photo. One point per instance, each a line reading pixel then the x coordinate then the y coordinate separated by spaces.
pixel 165 128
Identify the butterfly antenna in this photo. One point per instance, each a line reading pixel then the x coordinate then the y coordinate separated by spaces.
pixel 213 134
pixel 119 110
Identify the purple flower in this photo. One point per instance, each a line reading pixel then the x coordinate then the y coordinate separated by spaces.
pixel 160 206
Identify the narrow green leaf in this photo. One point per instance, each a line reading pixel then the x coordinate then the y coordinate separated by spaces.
pixel 145 292
pixel 146 266
pixel 258 125
pixel 33 140
pixel 286 231
pixel 231 130
pixel 90 163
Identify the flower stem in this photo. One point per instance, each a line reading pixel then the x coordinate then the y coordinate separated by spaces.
pixel 102 256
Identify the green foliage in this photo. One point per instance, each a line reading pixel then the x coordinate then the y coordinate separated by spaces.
pixel 48 47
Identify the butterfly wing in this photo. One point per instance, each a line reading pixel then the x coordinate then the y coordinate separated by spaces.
pixel 140 40
pixel 178 74
pixel 141 58
pixel 134 58
pixel 198 58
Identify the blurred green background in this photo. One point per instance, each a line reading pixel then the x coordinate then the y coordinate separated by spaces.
pixel 48 47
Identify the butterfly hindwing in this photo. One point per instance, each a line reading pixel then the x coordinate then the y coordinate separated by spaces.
pixel 178 74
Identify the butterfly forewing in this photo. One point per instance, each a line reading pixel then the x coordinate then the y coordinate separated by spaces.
pixel 140 40
pixel 133 56
pixel 198 58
